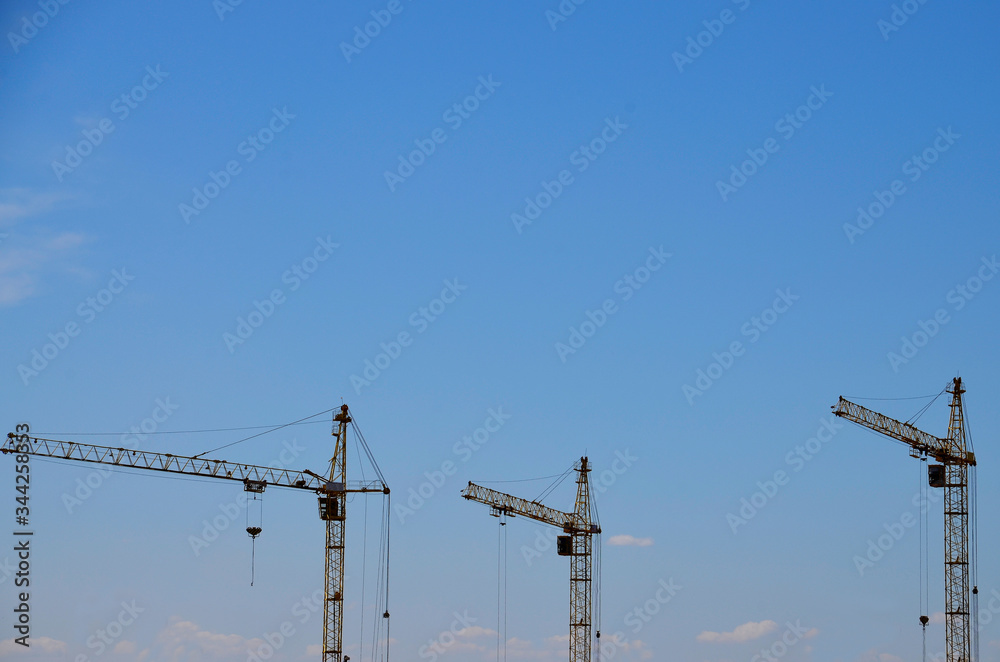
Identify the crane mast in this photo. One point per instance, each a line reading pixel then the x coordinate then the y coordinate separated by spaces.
pixel 952 452
pixel 331 510
pixel 578 545
pixel 332 491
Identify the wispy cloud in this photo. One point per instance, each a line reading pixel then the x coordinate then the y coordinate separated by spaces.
pixel 39 645
pixel 625 540
pixel 20 203
pixel 22 264
pixel 184 640
pixel 25 256
pixel 746 632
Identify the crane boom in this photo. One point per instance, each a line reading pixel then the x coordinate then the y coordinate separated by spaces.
pixel 180 464
pixel 957 460
pixel 942 450
pixel 518 506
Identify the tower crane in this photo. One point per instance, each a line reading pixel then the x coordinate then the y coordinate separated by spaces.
pixel 331 489
pixel 956 462
pixel 580 525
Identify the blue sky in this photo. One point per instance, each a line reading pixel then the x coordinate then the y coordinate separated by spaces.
pixel 121 121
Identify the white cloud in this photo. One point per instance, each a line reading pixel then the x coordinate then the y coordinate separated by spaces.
pixel 746 632
pixel 625 540
pixel 125 647
pixel 19 203
pixel 20 266
pixel 24 255
pixel 38 645
pixel 15 288
pixel 184 640
pixel 21 263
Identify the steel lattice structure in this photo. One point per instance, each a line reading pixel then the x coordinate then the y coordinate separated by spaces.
pixel 954 454
pixel 580 526
pixel 332 492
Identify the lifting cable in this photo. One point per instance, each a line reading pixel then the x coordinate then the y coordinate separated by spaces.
pixel 551 488
pixel 380 633
pixel 915 397
pixel 364 444
pixel 922 544
pixel 502 586
pixel 253 530
pixel 920 412
pixel 253 436
pixel 521 480
pixel 974 563
pixel 119 433
pixel 974 535
pixel 364 574
pixel 597 578
pixel 380 628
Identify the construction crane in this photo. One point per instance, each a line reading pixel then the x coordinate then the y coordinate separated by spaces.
pixel 956 462
pixel 580 525
pixel 332 491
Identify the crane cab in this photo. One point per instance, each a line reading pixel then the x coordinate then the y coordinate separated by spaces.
pixel 331 508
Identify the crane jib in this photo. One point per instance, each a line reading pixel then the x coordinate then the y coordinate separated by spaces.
pixel 167 462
